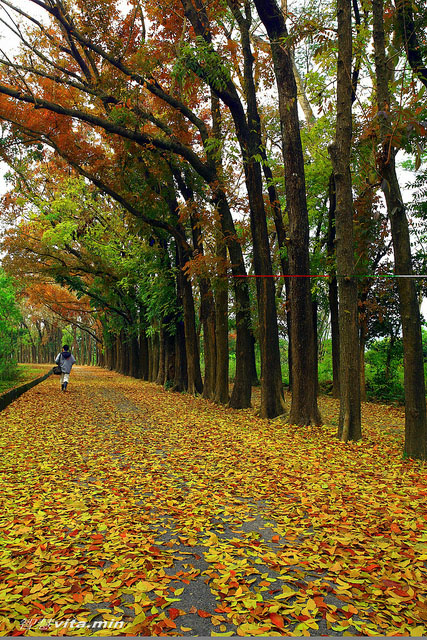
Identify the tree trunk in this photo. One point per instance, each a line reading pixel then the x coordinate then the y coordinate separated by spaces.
pixel 221 313
pixel 304 408
pixel 170 359
pixel 207 312
pixel 349 427
pixel 194 377
pixel 155 353
pixel 143 354
pixel 248 134
pixel 414 383
pixel 180 382
pixel 333 290
pixel 124 351
pixel 160 379
pixel 242 389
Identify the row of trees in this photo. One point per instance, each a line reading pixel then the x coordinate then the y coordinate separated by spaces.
pixel 182 121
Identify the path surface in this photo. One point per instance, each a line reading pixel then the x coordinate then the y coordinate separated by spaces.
pixel 128 507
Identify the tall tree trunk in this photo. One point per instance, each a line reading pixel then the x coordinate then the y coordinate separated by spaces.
pixel 242 388
pixel 124 346
pixel 207 304
pixel 170 359
pixel 180 381
pixel 248 134
pixel 155 353
pixel 207 312
pixel 160 379
pixel 143 354
pixel 333 290
pixel 194 376
pixel 414 383
pixel 349 427
pixel 221 311
pixel 304 409
pixel 150 359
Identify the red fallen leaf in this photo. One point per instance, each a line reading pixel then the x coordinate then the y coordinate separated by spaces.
pixel 39 605
pixel 173 613
pixel 320 603
pixel 277 620
pixel 25 591
pixel 302 618
pixel 402 593
pixel 154 550
pixel 129 582
pixel 94 547
pixel 275 538
pixel 73 533
pixel 203 614
pixel 141 628
pixel 391 583
pixel 98 536
pixel 116 602
pixel 169 623
pixel 394 527
pixel 193 610
pixel 371 567
pixel 218 565
pixel 123 534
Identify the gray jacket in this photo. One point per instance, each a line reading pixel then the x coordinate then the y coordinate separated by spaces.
pixel 65 362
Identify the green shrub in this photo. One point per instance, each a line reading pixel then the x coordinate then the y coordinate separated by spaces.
pixel 383 374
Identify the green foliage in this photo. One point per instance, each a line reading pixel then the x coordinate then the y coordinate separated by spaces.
pixel 384 360
pixel 201 58
pixel 9 327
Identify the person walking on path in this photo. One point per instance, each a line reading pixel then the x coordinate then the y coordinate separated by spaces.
pixel 65 360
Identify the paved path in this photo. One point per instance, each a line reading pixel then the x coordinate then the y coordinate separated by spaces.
pixel 134 510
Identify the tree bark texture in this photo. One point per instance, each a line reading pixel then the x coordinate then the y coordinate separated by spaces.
pixel 221 326
pixel 242 389
pixel 333 291
pixel 248 133
pixel 207 312
pixel 349 427
pixel 304 409
pixel 414 382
